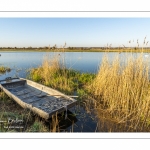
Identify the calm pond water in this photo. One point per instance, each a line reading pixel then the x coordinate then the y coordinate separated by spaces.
pixel 20 62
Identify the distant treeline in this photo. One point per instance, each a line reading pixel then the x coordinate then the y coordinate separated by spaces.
pixel 76 48
pixel 104 48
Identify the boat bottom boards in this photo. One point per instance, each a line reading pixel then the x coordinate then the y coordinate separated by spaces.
pixel 39 99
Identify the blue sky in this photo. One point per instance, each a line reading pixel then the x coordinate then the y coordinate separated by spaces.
pixel 90 32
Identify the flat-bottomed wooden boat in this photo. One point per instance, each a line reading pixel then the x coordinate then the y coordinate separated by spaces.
pixel 41 99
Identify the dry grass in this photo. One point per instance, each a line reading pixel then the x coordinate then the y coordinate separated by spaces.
pixel 122 92
pixel 52 73
pixel 54 124
pixel 47 70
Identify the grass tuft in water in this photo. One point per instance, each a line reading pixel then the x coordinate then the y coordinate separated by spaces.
pixel 4 69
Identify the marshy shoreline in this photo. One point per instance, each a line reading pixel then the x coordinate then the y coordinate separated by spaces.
pixel 116 98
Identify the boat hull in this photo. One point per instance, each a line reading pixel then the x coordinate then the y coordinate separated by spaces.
pixel 40 99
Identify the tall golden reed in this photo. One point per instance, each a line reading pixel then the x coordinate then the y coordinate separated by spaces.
pixel 46 71
pixel 53 73
pixel 49 67
pixel 122 91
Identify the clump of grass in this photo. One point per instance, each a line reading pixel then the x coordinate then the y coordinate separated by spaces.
pixel 38 126
pixel 9 109
pixel 121 91
pixel 51 74
pixel 54 74
pixel 4 69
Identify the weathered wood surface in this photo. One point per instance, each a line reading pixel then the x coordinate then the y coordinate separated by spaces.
pixel 40 99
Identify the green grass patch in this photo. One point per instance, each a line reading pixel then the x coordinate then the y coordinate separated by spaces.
pixel 51 73
pixel 65 80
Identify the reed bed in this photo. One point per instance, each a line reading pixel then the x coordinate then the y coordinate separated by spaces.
pixel 122 93
pixel 50 73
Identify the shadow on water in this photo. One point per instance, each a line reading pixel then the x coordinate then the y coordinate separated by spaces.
pixel 74 122
pixel 78 122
